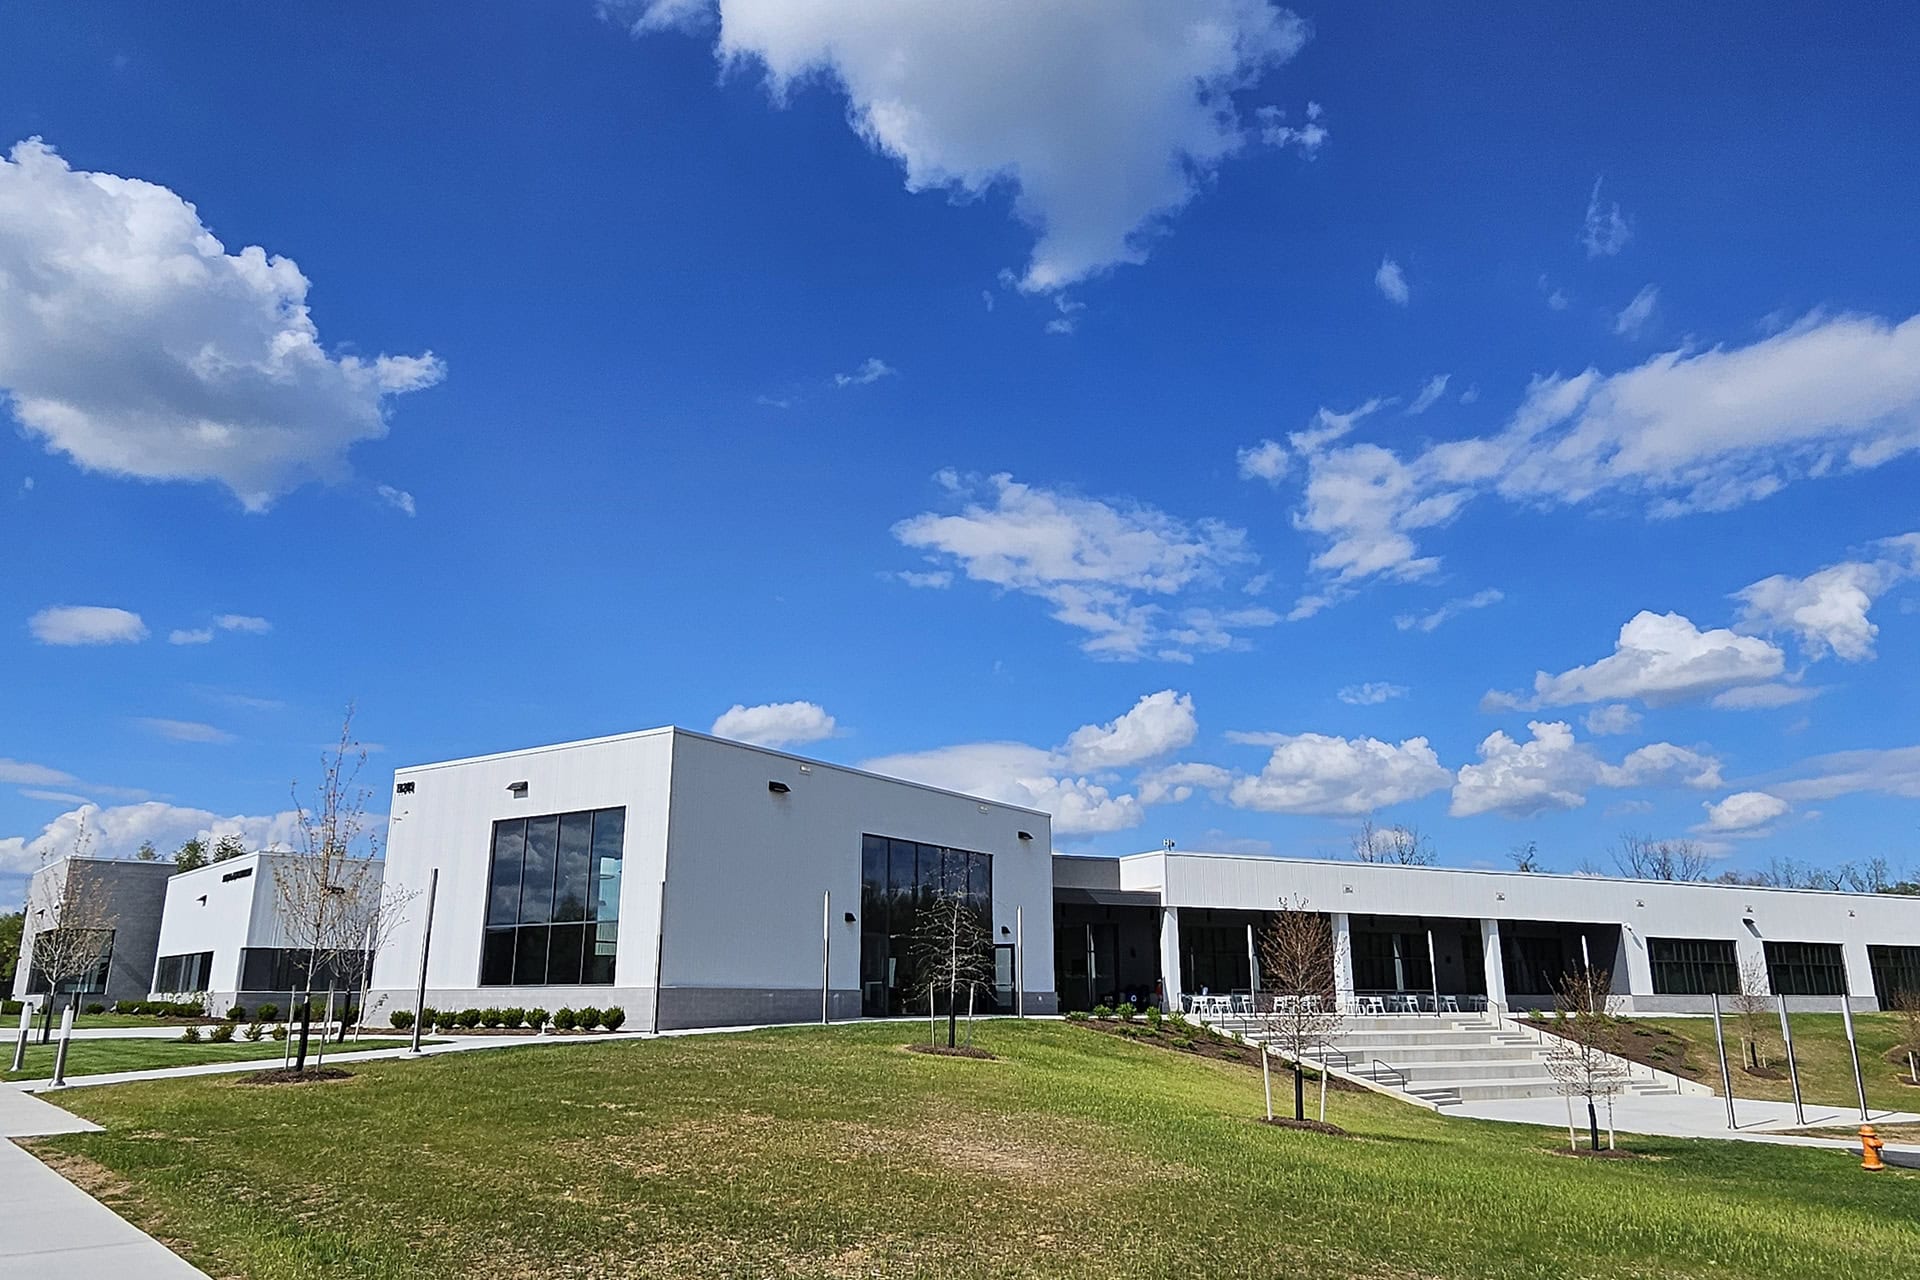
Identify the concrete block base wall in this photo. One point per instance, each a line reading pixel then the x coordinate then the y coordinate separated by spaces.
pixel 636 1002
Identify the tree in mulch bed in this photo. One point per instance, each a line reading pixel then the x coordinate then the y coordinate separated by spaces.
pixel 954 951
pixel 293 1075
pixel 1297 963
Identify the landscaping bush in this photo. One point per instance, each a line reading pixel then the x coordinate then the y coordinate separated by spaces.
pixel 237 1014
pixel 279 1033
pixel 190 1036
pixel 254 1031
pixel 222 1034
pixel 468 1019
pixel 586 1019
pixel 1125 1011
pixel 402 1019
pixel 1078 1015
pixel 125 1006
pixel 537 1019
pixel 563 1019
pixel 1103 1012
pixel 512 1017
pixel 96 1007
pixel 491 1019
pixel 428 1017
pixel 268 1013
pixel 612 1018
pixel 11 1008
pixel 1153 1018
pixel 187 1009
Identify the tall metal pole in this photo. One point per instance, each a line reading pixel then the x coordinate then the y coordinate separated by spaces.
pixel 1793 1071
pixel 1853 1051
pixel 426 943
pixel 1253 973
pixel 1726 1076
pixel 826 952
pixel 1019 963
pixel 1433 970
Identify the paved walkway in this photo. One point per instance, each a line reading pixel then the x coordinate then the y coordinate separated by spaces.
pixel 1672 1116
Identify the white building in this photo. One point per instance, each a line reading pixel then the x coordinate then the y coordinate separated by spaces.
pixel 1167 924
pixel 223 933
pixel 696 882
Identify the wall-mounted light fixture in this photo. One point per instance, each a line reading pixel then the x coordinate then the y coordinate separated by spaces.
pixel 1024 835
pixel 518 790
pixel 806 768
pixel 983 808
pixel 849 917
pixel 1004 931
pixel 778 788
pixel 1639 902
pixel 1499 897
pixel 1346 888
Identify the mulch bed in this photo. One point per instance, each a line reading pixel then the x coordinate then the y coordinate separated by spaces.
pixel 1603 1154
pixel 958 1051
pixel 1308 1126
pixel 287 1075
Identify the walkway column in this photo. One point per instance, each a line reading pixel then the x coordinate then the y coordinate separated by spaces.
pixel 1342 957
pixel 1496 964
pixel 1170 956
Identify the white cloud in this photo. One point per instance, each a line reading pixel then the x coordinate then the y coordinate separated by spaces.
pixel 871 370
pixel 1633 317
pixel 1551 771
pixel 1827 611
pixel 1100 565
pixel 1606 230
pixel 775 724
pixel 1014 773
pixel 1744 811
pixel 1430 394
pixel 199 635
pixel 1391 281
pixel 1557 299
pixel 118 831
pixel 1315 773
pixel 399 499
pixel 1306 138
pixel 1612 720
pixel 241 622
pixel 1687 430
pixel 935 580
pixel 26 773
pixel 1659 658
pixel 1101 117
pixel 1267 461
pixel 1177 782
pixel 74 624
pixel 1894 771
pixel 1762 697
pixel 1158 723
pixel 183 730
pixel 131 341
pixel 1448 611
pixel 1371 693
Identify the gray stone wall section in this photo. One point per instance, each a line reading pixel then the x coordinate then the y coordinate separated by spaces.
pixel 138 892
pixel 683 1008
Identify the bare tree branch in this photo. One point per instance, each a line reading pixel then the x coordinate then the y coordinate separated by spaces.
pixel 1298 1006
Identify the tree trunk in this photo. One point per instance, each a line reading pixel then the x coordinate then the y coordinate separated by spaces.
pixel 953 1017
pixel 1299 1090
pixel 306 1018
pixel 1593 1123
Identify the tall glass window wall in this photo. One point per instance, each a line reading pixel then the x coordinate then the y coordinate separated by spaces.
pixel 1896 974
pixel 553 900
pixel 897 879
pixel 1806 969
pixel 1693 966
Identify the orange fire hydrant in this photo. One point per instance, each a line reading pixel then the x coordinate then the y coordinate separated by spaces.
pixel 1870 1145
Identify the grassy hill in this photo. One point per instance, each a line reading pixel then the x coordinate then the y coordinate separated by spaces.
pixel 1685 1046
pixel 833 1153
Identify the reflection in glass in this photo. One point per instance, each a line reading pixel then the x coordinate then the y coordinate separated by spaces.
pixel 550 875
pixel 570 879
pixel 536 879
pixel 503 900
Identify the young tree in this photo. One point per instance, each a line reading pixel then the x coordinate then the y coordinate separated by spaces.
pixel 1297 963
pixel 73 921
pixel 954 955
pixel 228 847
pixel 1907 1004
pixel 329 894
pixel 146 852
pixel 1754 1009
pixel 1402 846
pixel 192 855
pixel 1644 858
pixel 11 925
pixel 1580 1056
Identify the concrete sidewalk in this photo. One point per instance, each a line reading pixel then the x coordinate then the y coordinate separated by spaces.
pixel 1689 1117
pixel 51 1229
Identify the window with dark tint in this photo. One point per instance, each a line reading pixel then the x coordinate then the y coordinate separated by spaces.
pixel 1896 974
pixel 286 969
pixel 1806 969
pixel 553 900
pixel 897 879
pixel 1693 966
pixel 87 984
pixel 187 972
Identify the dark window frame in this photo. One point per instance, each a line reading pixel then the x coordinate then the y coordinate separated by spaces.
pixel 593 864
pixel 1694 966
pixel 1806 968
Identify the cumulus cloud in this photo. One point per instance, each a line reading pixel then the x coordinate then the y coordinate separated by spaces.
pixel 1826 611
pixel 1552 771
pixel 1743 811
pixel 1452 609
pixel 1430 394
pixel 76 624
pixel 1658 659
pixel 775 724
pixel 1371 693
pixel 1158 723
pixel 241 622
pixel 1101 117
pixel 399 499
pixel 871 370
pixel 1606 230
pixel 1267 461
pixel 1103 567
pixel 1177 782
pixel 119 830
pixel 1316 773
pixel 1307 138
pixel 1633 317
pixel 134 343
pixel 1687 430
pixel 1613 719
pixel 1391 281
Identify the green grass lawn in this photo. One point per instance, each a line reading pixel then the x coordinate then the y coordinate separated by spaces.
pixel 1819 1047
pixel 91 1057
pixel 830 1152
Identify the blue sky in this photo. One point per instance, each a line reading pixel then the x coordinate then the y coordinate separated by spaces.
pixel 1209 422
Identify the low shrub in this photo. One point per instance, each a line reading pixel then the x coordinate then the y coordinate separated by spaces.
pixel 491 1018
pixel 402 1019
pixel 1153 1018
pixel 254 1031
pixel 187 1009
pixel 428 1016
pixel 123 1007
pixel 1078 1015
pixel 612 1018
pixel 563 1019
pixel 468 1019
pixel 268 1013
pixel 586 1019
pixel 1103 1012
pixel 279 1033
pixel 1125 1011
pixel 11 1008
pixel 222 1034
pixel 96 1007
pixel 238 1013
pixel 190 1036
pixel 537 1019
pixel 512 1017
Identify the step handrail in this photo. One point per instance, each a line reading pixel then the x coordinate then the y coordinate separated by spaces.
pixel 1398 1074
